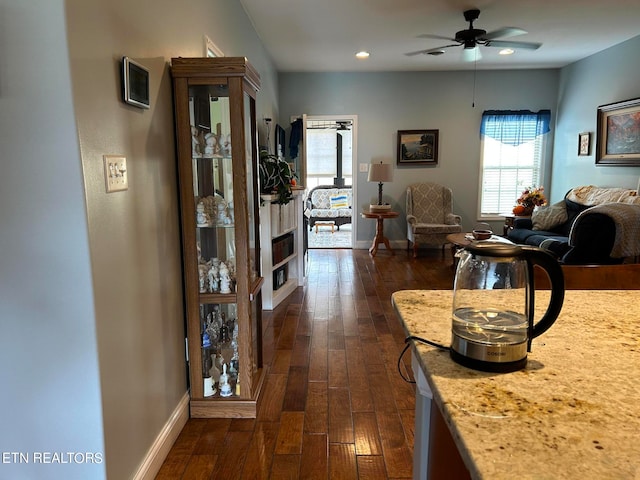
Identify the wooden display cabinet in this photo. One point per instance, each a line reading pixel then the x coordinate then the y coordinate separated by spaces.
pixel 218 174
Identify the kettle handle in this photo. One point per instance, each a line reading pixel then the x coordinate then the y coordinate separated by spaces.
pixel 538 256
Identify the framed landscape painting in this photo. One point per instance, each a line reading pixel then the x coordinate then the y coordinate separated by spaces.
pixel 417 147
pixel 618 136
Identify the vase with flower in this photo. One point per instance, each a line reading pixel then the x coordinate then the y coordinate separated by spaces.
pixel 530 198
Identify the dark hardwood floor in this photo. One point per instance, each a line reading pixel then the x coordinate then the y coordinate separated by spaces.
pixel 333 405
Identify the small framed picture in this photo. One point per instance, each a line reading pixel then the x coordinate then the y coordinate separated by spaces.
pixel 584 143
pixel 135 83
pixel 417 147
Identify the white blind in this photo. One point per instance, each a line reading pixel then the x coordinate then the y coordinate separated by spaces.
pixel 322 152
pixel 509 166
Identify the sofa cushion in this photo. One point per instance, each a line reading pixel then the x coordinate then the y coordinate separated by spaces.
pixel 590 195
pixel 339 201
pixel 324 212
pixel 321 197
pixel 547 218
pixel 573 210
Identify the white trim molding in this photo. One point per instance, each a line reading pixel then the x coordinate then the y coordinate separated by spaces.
pixel 159 450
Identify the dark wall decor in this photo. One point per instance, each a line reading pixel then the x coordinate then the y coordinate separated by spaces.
pixel 584 144
pixel 417 147
pixel 618 136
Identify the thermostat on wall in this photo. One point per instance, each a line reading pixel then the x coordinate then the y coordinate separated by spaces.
pixel 135 83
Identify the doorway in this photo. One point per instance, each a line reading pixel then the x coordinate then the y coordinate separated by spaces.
pixel 329 153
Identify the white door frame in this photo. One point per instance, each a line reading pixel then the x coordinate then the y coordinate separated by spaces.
pixel 354 157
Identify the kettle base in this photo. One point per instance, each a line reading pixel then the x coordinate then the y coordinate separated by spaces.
pixel 496 367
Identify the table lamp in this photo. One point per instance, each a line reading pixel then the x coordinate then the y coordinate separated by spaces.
pixel 380 172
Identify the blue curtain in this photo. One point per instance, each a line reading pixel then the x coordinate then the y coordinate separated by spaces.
pixel 514 127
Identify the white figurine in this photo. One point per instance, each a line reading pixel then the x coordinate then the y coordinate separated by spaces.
pixel 213 277
pixel 222 213
pixel 225 278
pixel 195 143
pixel 202 217
pixel 203 269
pixel 211 145
pixel 225 388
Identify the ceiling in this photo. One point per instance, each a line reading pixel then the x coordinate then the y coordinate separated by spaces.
pixel 324 35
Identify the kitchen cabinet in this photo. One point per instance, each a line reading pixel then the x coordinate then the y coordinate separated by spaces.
pixel 217 154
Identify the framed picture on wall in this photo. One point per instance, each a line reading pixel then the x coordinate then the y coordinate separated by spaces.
pixel 417 147
pixel 584 143
pixel 618 136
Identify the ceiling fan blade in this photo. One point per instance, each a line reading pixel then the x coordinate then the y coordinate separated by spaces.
pixel 508 44
pixel 504 32
pixel 439 37
pixel 471 54
pixel 431 51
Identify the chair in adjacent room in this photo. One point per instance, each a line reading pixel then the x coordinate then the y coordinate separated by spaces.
pixel 430 216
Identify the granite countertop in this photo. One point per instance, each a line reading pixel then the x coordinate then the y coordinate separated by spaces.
pixel 573 412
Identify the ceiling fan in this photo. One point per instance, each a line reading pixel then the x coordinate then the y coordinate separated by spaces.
pixel 472 37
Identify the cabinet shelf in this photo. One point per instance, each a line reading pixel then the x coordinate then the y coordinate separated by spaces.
pixel 221 225
pixel 286 260
pixel 284 232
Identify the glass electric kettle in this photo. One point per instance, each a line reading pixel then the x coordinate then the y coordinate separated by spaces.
pixel 493 304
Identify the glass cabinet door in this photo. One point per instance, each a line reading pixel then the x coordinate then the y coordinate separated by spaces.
pixel 213 173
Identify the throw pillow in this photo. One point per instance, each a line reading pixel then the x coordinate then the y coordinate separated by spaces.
pixel 339 201
pixel 546 218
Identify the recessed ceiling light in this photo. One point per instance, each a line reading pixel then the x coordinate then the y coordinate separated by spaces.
pixel 506 51
pixel 362 54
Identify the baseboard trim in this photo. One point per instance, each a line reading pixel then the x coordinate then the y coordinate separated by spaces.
pixel 159 450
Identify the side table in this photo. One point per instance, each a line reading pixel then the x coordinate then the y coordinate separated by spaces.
pixel 379 238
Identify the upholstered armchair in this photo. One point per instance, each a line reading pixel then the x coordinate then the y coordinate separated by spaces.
pixel 429 215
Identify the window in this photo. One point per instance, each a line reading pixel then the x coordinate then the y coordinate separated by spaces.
pixel 323 157
pixel 513 155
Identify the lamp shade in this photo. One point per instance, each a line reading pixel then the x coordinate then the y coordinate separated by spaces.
pixel 380 172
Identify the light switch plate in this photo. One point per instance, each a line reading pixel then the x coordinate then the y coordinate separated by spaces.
pixel 115 173
pixel 364 167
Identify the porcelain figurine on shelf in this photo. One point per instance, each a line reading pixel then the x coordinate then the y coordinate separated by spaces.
pixel 222 213
pixel 225 388
pixel 225 145
pixel 202 217
pixel 213 278
pixel 231 213
pixel 211 145
pixel 225 278
pixel 203 270
pixel 195 143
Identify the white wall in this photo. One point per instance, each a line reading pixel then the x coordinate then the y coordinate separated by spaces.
pixel 92 344
pixel 607 77
pixel 50 399
pixel 388 102
pixel 134 235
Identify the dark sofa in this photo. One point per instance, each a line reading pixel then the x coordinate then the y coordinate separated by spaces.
pixel 591 241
